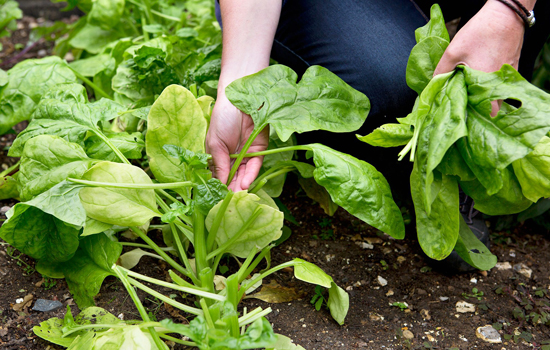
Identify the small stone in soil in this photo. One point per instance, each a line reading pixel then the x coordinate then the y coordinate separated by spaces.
pixel 473 280
pixel 382 281
pixel 389 293
pixel 425 314
pixel 503 266
pixel 365 245
pixel 522 269
pixel 443 298
pixel 408 334
pixel 488 334
pixel 464 307
pixel 4 209
pixel 46 305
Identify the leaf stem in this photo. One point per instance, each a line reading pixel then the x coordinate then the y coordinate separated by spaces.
pixel 194 291
pixel 141 309
pixel 88 82
pixel 242 154
pixel 273 151
pixel 111 146
pixel 201 259
pixel 10 169
pixel 145 246
pixel 254 317
pixel 151 186
pixel 165 256
pixel 252 282
pixel 268 175
pixel 177 341
pixel 162 15
pixel 256 262
pixel 167 300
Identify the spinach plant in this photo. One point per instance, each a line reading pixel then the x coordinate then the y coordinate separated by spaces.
pixel 79 189
pixel 501 162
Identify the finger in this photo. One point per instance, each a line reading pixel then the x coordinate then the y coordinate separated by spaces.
pixel 221 163
pixel 251 171
pixel 236 183
pixel 495 107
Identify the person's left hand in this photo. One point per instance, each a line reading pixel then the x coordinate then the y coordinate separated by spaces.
pixel 493 37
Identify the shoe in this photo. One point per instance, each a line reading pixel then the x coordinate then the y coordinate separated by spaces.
pixel 454 263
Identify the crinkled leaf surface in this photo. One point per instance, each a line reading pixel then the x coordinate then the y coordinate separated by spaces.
pixel 453 164
pixel 423 60
pixel 472 250
pixel 495 143
pixel 264 230
pixel 209 194
pixel 118 206
pixel 388 135
pixel 93 38
pixel 28 81
pixel 175 119
pixel 533 171
pixel 106 13
pixel 9 187
pixel 508 200
pixel 67 119
pixel 359 188
pixel 48 160
pixel 131 146
pixel 90 66
pixel 437 231
pixel 38 234
pixel 320 101
pixel 90 265
pixel 443 125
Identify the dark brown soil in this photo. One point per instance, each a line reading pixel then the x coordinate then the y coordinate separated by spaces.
pixel 372 322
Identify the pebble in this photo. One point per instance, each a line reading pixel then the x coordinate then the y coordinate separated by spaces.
pixel 443 298
pixel 47 305
pixel 420 291
pixel 389 293
pixel 365 245
pixel 374 240
pixel 382 281
pixel 330 257
pixel 42 53
pixel 408 334
pixel 4 209
pixel 376 317
pixel 488 334
pixel 512 253
pixel 503 266
pixel 473 280
pixel 464 307
pixel 425 314
pixel 522 269
pixel 430 338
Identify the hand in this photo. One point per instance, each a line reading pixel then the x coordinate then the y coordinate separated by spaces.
pixel 229 130
pixel 493 37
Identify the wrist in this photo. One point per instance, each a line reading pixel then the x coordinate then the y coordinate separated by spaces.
pixel 503 15
pixel 518 11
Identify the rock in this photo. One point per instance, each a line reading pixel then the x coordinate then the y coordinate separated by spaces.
pixel 443 298
pixel 330 257
pixel 420 291
pixel 473 280
pixel 425 314
pixel 512 253
pixel 376 317
pixel 42 53
pixel 382 281
pixel 503 266
pixel 4 209
pixel 408 334
pixel 365 245
pixel 374 240
pixel 522 269
pixel 44 305
pixel 488 334
pixel 430 338
pixel 389 293
pixel 464 307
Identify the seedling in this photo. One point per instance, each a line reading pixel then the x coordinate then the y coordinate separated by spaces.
pixel 318 299
pixel 475 294
pixel 402 305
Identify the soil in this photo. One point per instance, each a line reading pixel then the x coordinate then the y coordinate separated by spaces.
pixel 356 255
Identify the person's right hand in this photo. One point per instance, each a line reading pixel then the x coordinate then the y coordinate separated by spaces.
pixel 229 130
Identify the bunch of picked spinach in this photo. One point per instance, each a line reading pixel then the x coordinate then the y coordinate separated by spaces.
pixel 79 192
pixel 502 162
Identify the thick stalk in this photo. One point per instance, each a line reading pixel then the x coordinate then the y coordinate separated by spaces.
pixel 165 256
pixel 217 221
pixel 91 84
pixel 181 249
pixel 242 154
pixel 178 305
pixel 194 291
pixel 111 146
pixel 201 259
pixel 141 309
pixel 245 264
pixel 221 249
pixel 232 286
pixel 132 186
pixel 253 318
pixel 207 315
